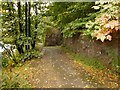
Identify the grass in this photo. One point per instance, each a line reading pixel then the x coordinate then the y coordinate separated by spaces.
pixel 92 62
pixel 13 80
pixel 112 54
pixel 98 72
pixel 18 77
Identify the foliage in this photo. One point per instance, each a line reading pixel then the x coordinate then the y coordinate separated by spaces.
pixel 70 17
pixel 13 80
pixel 79 25
pixel 21 30
pixel 8 60
pixel 43 27
pixel 98 19
pixel 106 22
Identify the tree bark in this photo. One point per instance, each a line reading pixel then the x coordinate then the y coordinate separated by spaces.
pixel 19 16
pixel 19 47
pixel 26 26
pixel 36 13
pixel 35 33
pixel 26 19
pixel 29 23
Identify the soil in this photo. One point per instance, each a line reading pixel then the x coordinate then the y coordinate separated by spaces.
pixel 57 70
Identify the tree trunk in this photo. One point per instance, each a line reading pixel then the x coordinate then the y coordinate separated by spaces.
pixel 19 15
pixel 26 19
pixel 19 47
pixel 36 15
pixel 29 23
pixel 35 33
pixel 26 26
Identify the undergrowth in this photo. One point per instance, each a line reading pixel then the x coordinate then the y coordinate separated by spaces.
pixel 92 62
pixel 19 58
pixel 113 55
pixel 13 80
pixel 95 68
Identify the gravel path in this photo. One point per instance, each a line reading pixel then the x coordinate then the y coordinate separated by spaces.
pixel 56 70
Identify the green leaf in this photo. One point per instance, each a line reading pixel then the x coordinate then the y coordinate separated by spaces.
pixel 96 7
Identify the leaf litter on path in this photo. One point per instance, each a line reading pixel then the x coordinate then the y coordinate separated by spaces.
pixel 56 69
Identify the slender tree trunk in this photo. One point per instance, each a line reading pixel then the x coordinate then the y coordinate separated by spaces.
pixel 36 16
pixel 20 47
pixel 26 27
pixel 26 19
pixel 19 15
pixel 35 33
pixel 29 23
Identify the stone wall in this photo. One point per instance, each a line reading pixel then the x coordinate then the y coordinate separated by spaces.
pixel 103 51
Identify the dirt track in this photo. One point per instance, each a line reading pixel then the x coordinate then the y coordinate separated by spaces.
pixel 56 70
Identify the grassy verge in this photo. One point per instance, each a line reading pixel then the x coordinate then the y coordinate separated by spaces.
pixel 113 55
pixel 16 75
pixel 92 62
pixel 94 67
pixel 13 80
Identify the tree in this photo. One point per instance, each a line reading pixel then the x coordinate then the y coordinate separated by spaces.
pixel 106 22
pixel 36 23
pixel 19 46
pixel 71 17
pixel 17 27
